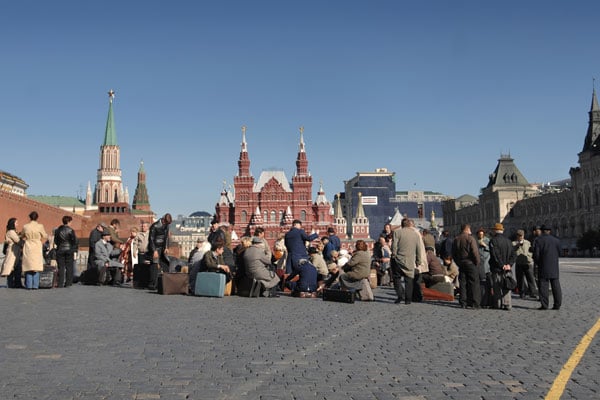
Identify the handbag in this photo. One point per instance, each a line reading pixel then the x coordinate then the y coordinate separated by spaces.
pixel 508 282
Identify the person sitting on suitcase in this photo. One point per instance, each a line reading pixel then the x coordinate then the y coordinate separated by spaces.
pixel 307 282
pixel 109 269
pixel 212 261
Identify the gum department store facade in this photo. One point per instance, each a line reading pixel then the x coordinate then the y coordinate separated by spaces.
pixel 508 197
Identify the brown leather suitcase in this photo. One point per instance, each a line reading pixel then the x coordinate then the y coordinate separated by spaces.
pixel 173 283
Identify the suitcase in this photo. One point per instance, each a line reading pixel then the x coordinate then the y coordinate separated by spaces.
pixel 210 284
pixel 49 277
pixel 341 296
pixel 141 276
pixel 173 283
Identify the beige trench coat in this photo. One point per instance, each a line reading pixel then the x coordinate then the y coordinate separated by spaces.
pixel 12 251
pixel 33 256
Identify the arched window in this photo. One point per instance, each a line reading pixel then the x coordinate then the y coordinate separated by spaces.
pixel 273 216
pixel 280 215
pixel 302 215
pixel 244 216
pixel 265 216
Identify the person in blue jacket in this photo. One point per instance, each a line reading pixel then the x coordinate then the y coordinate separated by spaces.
pixel 295 243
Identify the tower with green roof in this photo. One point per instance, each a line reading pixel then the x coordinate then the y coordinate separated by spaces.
pixel 109 186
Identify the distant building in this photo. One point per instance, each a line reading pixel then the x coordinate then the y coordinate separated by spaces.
pixel 67 203
pixel 272 202
pixel 187 230
pixel 570 208
pixel 381 201
pixel 12 184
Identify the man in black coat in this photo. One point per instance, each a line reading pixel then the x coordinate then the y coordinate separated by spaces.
pixel 158 244
pixel 466 255
pixel 502 258
pixel 546 250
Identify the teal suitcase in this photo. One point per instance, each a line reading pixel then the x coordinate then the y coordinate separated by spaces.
pixel 210 284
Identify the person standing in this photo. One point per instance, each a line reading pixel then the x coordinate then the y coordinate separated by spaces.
pixel 406 255
pixel 524 266
pixel 466 255
pixel 485 277
pixel 295 243
pixel 546 250
pixel 66 244
pixel 333 243
pixel 11 268
pixel 158 248
pixel 215 233
pixel 114 228
pixel 142 243
pixel 34 235
pixel 502 257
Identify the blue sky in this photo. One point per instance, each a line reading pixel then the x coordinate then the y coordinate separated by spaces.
pixel 433 90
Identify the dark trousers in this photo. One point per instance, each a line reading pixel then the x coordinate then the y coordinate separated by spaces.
pixel 156 268
pixel 417 294
pixel 14 280
pixel 65 268
pixel 110 275
pixel 403 292
pixel 525 275
pixel 556 292
pixel 470 291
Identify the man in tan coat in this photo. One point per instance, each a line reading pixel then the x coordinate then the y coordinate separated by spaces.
pixel 407 253
pixel 34 235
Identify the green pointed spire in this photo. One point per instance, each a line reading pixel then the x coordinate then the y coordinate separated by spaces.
pixel 110 135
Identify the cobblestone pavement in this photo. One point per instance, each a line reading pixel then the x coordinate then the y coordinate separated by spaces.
pixel 117 343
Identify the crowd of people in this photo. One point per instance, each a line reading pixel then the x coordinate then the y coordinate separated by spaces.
pixel 484 270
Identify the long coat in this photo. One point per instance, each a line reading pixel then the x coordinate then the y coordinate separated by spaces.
pixel 257 266
pixel 359 266
pixel 33 255
pixel 12 252
pixel 406 250
pixel 546 250
pixel 295 243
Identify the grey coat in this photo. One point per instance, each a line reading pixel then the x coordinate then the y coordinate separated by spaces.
pixel 103 253
pixel 257 266
pixel 407 250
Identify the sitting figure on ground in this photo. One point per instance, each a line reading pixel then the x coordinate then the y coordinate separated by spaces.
pixel 212 261
pixel 437 272
pixel 257 264
pixel 110 271
pixel 316 259
pixel 357 268
pixel 307 282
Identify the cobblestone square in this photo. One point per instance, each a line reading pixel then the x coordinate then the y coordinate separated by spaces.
pixel 89 342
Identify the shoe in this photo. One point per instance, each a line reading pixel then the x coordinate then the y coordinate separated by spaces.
pixel 556 308
pixel 398 301
pixel 542 308
pixel 407 302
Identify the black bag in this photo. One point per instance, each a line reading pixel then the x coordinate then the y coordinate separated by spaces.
pixel 341 296
pixel 508 282
pixel 5 248
pixel 48 277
